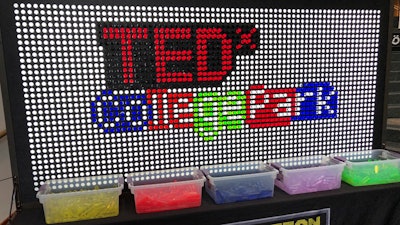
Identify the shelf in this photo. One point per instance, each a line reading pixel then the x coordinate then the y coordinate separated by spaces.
pixel 370 205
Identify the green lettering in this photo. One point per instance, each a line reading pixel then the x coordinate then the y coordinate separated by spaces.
pixel 214 113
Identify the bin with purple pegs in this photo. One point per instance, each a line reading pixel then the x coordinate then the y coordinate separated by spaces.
pixel 308 174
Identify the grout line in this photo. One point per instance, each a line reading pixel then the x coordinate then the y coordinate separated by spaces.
pixel 3 133
pixel 8 178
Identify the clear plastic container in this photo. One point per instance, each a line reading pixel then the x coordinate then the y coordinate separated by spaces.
pixel 236 182
pixel 308 174
pixel 370 167
pixel 163 190
pixel 74 199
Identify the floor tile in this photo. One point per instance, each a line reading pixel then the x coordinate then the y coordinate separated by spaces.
pixel 6 185
pixel 5 198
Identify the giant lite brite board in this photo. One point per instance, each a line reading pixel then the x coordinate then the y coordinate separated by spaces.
pixel 114 87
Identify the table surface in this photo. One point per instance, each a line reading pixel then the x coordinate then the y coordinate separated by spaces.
pixel 375 205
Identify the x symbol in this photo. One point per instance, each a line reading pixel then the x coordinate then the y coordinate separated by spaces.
pixel 245 38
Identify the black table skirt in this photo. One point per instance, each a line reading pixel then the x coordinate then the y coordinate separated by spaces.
pixel 372 205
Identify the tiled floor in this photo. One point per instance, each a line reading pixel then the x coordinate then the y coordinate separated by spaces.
pixel 5 170
pixel 2 119
pixel 5 185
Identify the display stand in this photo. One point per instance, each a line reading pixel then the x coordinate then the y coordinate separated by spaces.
pixel 349 205
pixel 121 86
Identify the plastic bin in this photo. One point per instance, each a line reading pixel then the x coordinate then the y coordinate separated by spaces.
pixel 239 181
pixel 370 167
pixel 308 174
pixel 85 198
pixel 163 190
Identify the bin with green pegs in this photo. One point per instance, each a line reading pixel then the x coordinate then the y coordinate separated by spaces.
pixel 370 167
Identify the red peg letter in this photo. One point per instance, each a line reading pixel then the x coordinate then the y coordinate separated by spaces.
pixel 163 56
pixel 269 107
pixel 203 35
pixel 126 35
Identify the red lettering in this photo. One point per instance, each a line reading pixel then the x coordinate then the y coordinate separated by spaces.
pixel 170 110
pixel 269 108
pixel 203 35
pixel 126 35
pixel 163 55
pixel 167 56
pixel 245 39
pixel 182 109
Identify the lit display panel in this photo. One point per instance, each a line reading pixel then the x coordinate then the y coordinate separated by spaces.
pixel 120 89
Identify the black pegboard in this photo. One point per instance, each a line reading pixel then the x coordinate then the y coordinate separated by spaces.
pixel 97 87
